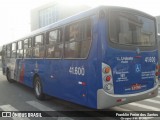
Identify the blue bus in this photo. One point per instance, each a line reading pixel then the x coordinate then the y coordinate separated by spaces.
pixel 100 58
pixel 158 42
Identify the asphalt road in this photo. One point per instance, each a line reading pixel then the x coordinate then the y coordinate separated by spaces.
pixel 17 97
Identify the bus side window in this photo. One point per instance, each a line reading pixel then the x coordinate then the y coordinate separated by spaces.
pixel 54 45
pixel 38 50
pixel 8 51
pixel 3 53
pixel 13 50
pixel 30 42
pixel 25 47
pixel 72 36
pixel 78 39
pixel 86 39
pixel 29 49
pixel 20 49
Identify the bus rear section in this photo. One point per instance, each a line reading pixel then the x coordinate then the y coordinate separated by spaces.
pixel 130 59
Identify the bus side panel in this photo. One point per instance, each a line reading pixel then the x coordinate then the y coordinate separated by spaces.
pixel 20 71
pixel 158 41
pixel 72 80
pixel 28 72
pixel 76 80
pixel 75 85
pixel 94 80
pixel 23 71
pixel 66 80
pixel 53 74
pixel 27 68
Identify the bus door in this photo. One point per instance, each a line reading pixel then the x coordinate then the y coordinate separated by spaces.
pixel 29 65
pixel 20 63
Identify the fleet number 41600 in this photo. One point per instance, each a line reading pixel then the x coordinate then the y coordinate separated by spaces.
pixel 150 59
pixel 77 70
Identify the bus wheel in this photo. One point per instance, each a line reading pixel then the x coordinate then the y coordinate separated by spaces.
pixel 38 89
pixel 9 76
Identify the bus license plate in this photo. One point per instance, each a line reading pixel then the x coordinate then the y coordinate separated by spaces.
pixel 136 86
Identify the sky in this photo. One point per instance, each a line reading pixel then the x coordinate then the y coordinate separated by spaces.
pixel 15 14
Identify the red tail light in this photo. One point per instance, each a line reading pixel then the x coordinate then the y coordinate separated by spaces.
pixel 157 67
pixel 157 70
pixel 108 78
pixel 157 73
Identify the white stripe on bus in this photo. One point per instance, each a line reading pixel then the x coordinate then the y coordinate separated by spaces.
pixel 11 108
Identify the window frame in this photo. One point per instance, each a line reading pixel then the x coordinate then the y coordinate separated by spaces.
pixel 9 50
pixel 60 42
pixel 34 40
pixel 133 13
pixel 20 49
pixel 24 43
pixel 34 46
pixel 59 38
pixel 30 41
pixel 72 23
pixel 29 47
pixel 14 50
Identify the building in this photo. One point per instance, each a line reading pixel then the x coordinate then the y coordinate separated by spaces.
pixel 158 23
pixel 52 12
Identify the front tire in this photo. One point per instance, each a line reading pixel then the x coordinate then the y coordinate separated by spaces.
pixel 38 90
pixel 8 75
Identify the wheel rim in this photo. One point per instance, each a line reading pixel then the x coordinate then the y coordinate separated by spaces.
pixel 38 88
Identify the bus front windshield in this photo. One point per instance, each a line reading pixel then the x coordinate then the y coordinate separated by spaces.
pixel 131 29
